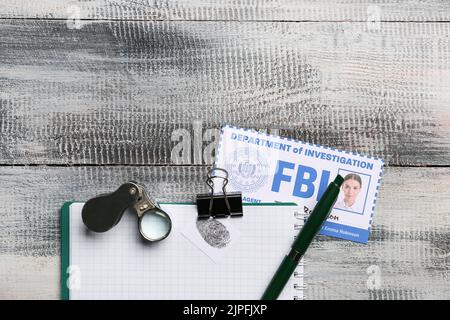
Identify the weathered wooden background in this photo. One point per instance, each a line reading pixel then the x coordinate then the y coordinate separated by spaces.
pixel 88 104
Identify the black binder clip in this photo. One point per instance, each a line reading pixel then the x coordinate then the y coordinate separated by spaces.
pixel 219 205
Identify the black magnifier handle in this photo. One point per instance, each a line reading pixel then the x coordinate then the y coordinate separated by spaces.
pixel 103 212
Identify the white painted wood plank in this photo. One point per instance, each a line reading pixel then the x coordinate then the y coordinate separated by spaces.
pixel 410 241
pixel 115 92
pixel 242 10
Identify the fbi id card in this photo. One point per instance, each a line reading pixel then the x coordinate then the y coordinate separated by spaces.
pixel 267 168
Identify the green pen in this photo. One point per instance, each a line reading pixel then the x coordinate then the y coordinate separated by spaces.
pixel 303 240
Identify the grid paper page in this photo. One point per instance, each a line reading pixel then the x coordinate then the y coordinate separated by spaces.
pixel 118 264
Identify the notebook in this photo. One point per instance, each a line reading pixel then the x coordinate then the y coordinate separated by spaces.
pixel 118 264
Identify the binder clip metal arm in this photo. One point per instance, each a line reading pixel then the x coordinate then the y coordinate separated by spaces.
pixel 219 205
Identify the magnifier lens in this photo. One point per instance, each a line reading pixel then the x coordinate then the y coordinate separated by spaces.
pixel 155 225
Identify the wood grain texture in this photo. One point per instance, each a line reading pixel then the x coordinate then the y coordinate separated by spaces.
pixel 410 240
pixel 114 92
pixel 242 10
pixel 113 86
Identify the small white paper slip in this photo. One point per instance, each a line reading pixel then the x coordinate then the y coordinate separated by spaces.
pixel 267 168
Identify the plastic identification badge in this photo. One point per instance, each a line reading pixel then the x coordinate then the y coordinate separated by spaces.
pixel 267 168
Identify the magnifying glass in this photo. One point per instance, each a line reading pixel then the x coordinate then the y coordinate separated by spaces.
pixel 103 212
pixel 155 225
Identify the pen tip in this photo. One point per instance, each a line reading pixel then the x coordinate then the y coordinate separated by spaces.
pixel 339 180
